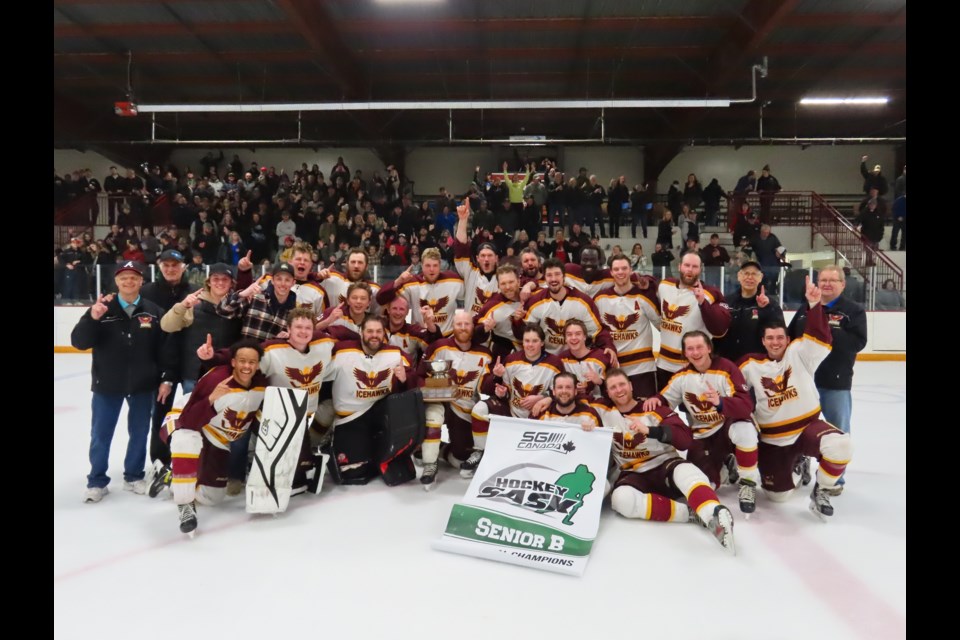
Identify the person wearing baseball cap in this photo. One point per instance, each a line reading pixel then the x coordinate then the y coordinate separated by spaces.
pixel 130 363
pixel 751 308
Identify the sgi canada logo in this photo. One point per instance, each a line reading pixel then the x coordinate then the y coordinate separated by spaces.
pixel 545 440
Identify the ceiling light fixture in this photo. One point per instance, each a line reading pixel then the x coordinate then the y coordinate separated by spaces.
pixel 844 101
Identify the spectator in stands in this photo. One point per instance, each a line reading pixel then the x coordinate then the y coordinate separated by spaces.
pixel 690 246
pixel 689 229
pixel 577 241
pixel 873 179
pixel 559 248
pixel 149 245
pixel 661 259
pixel 641 205
pixel 870 224
pixel 713 254
pixel 745 185
pixel 615 252
pixel 769 252
pixel 113 185
pixel 638 261
pixel 899 223
pixel 543 246
pixel 767 186
pixel 618 203
pixel 692 192
pixel 71 259
pixel 900 186
pixel 745 254
pixel 748 224
pixel 133 252
pixel 853 289
pixel 675 198
pixel 888 298
pixel 391 258
pixel 207 243
pixel 234 249
pixel 711 203
pixel 665 230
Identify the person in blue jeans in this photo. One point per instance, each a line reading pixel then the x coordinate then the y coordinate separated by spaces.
pixel 848 324
pixel 129 365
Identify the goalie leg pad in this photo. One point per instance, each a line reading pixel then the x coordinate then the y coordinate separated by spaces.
pixel 404 429
pixel 283 424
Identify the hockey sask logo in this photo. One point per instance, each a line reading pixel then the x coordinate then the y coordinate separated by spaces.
pixel 545 441
pixel 564 494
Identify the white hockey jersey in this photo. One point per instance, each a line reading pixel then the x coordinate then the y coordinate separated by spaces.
pixel 360 380
pixel 630 319
pixel 680 313
pixel 542 309
pixel 468 370
pixel 633 451
pixel 284 366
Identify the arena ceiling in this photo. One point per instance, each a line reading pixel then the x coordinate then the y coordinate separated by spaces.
pixel 313 51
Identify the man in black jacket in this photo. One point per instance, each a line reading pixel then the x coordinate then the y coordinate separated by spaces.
pixel 848 324
pixel 750 310
pixel 172 287
pixel 129 362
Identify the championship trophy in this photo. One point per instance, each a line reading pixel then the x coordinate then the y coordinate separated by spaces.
pixel 438 387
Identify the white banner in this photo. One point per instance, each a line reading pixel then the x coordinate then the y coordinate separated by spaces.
pixel 535 498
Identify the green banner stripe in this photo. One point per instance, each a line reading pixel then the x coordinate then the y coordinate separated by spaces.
pixel 492 527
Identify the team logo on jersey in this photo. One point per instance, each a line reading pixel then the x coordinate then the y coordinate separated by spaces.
pixel 834 319
pixel 671 313
pixel 778 389
pixel 702 409
pixel 538 489
pixel 620 326
pixel 304 378
pixel 480 298
pixel 629 446
pixel 439 309
pixel 146 322
pixel 556 327
pixel 236 422
pixel 464 382
pixel 368 383
pixel 521 391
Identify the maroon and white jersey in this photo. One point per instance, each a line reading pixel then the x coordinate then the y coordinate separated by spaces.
pixel 574 277
pixel 360 380
pixel 594 360
pixel 542 309
pixel 633 451
pixel 441 296
pixel 478 287
pixel 412 339
pixel 689 387
pixel 309 293
pixel 787 396
pixel 680 312
pixel 502 311
pixel 343 328
pixel 284 366
pixel 630 319
pixel 524 378
pixel 468 370
pixel 582 412
pixel 336 285
pixel 230 416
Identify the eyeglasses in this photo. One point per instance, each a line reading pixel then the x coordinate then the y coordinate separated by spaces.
pixel 828 281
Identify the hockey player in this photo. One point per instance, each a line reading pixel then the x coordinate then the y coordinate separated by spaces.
pixel 469 366
pixel 222 408
pixel 566 405
pixel 686 304
pixel 363 374
pixel 588 366
pixel 629 313
pixel 496 319
pixel 343 321
pixel 651 480
pixel 718 410
pixel 515 387
pixel 436 289
pixel 335 283
pixel 550 309
pixel 412 339
pixel 479 275
pixel 788 409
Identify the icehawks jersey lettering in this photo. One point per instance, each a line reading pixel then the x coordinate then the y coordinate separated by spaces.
pixel 360 380
pixel 542 309
pixel 441 296
pixel 284 366
pixel 477 286
pixel 787 396
pixel 309 293
pixel 502 311
pixel 595 360
pixel 468 370
pixel 231 415
pixel 629 318
pixel 336 285
pixel 633 451
pixel 523 378
pixel 690 386
pixel 582 413
pixel 680 312
pixel 574 277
